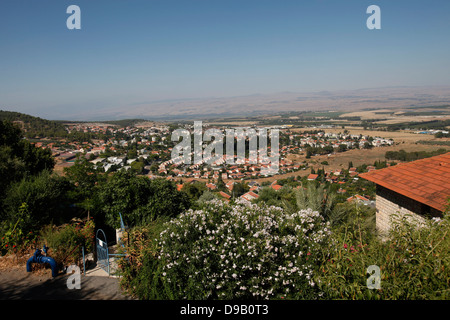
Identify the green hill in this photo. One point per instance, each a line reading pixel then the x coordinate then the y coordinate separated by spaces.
pixel 34 127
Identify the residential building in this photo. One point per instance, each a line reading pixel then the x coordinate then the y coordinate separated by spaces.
pixel 419 189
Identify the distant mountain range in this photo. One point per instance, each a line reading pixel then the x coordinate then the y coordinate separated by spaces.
pixel 259 104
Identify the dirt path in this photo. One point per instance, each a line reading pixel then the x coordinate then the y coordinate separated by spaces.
pixel 16 283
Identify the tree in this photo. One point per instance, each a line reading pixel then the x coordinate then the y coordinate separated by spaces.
pixel 318 198
pixel 12 168
pixel 132 152
pixel 47 197
pixel 194 190
pixel 207 196
pixel 269 196
pixel 166 200
pixel 139 199
pixel 18 157
pixel 308 153
pixel 138 166
pixel 220 184
pixel 85 178
pixel 154 167
pixel 239 189
pixel 83 175
pixel 126 194
pixel 342 148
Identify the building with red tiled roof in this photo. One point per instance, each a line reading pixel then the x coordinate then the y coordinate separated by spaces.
pixel 419 188
pixel 225 195
pixel 276 187
pixel 249 196
pixel 360 199
pixel 313 176
pixel 211 186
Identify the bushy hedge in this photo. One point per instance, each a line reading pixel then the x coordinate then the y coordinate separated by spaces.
pixel 231 252
pixel 414 263
pixel 15 237
pixel 262 252
pixel 65 242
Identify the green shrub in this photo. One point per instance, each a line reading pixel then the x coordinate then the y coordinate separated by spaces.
pixel 46 195
pixel 414 263
pixel 15 237
pixel 65 242
pixel 141 259
pixel 139 199
pixel 234 252
pixel 242 251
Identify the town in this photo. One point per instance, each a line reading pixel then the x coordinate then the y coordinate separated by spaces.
pixel 146 149
pixel 151 147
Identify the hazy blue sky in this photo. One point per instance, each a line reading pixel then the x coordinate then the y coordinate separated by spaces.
pixel 132 51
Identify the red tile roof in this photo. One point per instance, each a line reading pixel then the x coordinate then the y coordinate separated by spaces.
pixel 426 180
pixel 357 197
pixel 225 195
pixel 276 187
pixel 250 196
pixel 211 186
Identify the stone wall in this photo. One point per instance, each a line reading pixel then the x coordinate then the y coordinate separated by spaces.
pixel 391 205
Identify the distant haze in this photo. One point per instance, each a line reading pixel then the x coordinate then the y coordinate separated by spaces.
pixel 179 58
pixel 257 104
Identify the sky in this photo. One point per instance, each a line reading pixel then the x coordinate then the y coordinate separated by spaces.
pixel 135 51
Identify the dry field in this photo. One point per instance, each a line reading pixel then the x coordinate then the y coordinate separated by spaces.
pixel 398 136
pixel 231 123
pixel 402 140
pixel 392 116
pixel 366 115
pixel 359 156
pixel 413 119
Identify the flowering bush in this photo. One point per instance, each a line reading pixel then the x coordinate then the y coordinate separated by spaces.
pixel 264 252
pixel 239 251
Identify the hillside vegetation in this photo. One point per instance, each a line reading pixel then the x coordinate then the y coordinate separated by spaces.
pixel 37 128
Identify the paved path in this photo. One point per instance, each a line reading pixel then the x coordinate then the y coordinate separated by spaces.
pixel 16 283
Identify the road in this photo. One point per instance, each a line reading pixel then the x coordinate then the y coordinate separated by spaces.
pixel 16 283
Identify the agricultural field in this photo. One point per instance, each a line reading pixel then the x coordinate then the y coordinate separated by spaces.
pixel 403 115
pixel 405 140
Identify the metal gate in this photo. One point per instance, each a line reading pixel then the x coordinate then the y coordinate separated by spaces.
pixel 102 250
pixel 103 255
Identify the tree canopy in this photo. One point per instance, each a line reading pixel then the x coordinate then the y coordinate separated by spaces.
pixel 18 157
